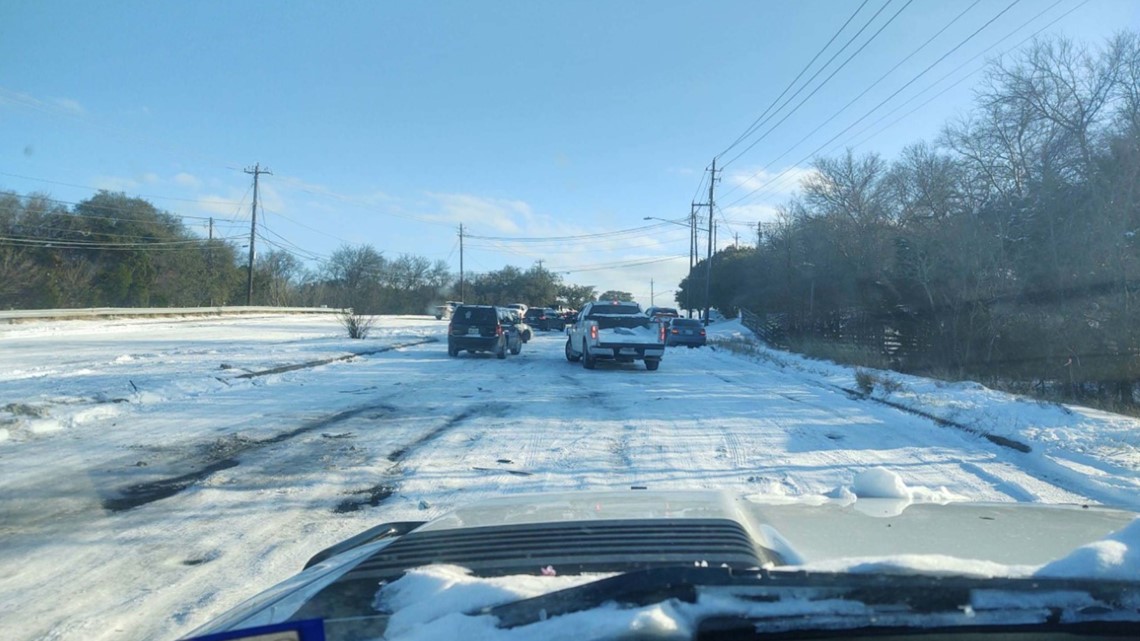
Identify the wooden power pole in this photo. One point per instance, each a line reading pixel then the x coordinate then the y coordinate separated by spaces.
pixel 256 171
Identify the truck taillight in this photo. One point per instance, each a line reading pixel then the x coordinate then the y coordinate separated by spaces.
pixel 594 332
pixel 661 334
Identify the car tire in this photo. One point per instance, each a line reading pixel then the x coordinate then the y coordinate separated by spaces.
pixel 570 355
pixel 589 362
pixel 517 348
pixel 652 364
pixel 452 351
pixel 501 352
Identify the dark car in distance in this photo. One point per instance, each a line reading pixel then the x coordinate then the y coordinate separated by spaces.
pixel 545 319
pixel 685 331
pixel 482 328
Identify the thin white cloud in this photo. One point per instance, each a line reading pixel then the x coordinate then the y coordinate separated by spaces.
pixel 69 105
pixel 115 183
pixel 502 215
pixel 782 183
pixel 65 105
pixel 757 212
pixel 222 205
pixel 187 180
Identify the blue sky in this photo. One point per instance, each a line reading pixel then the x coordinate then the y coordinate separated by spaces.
pixel 390 123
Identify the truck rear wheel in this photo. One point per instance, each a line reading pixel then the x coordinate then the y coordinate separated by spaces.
pixel 652 365
pixel 589 362
pixel 570 355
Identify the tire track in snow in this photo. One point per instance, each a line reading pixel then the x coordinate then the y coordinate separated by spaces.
pixel 222 454
pixel 396 474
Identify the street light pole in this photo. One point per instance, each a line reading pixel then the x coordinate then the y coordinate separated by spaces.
pixel 693 229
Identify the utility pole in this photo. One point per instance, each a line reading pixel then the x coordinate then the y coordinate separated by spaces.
pixel 210 263
pixel 256 171
pixel 712 230
pixel 462 285
pixel 652 296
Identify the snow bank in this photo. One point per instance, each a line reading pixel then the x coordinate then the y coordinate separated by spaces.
pixel 1096 453
pixel 1117 556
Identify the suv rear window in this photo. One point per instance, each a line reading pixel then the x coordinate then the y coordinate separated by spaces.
pixel 620 309
pixel 473 315
pixel 685 322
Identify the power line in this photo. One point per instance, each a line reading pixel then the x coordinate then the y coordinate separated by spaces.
pixel 959 68
pixel 782 178
pixel 60 243
pixel 615 265
pixel 829 77
pixel 869 87
pixel 103 207
pixel 756 123
pixel 98 189
pixel 562 239
pixel 876 107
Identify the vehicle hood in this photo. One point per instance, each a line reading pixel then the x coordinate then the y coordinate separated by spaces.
pixel 523 546
pixel 814 529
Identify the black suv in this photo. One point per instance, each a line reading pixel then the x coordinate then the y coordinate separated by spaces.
pixel 482 328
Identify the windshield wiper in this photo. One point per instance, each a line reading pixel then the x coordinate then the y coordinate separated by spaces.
pixel 911 600
pixel 639 587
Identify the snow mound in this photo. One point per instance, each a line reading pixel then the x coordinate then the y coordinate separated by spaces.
pixel 1117 556
pixel 881 483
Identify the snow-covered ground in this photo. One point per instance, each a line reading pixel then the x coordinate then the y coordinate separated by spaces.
pixel 157 472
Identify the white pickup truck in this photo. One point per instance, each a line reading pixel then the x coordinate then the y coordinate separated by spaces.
pixel 617 331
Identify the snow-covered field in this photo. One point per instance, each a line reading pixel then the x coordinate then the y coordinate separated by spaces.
pixel 154 473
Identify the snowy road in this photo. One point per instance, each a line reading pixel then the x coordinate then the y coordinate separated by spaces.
pixel 156 473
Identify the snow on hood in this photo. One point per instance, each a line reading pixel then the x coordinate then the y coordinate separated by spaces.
pixel 1117 556
pixel 881 483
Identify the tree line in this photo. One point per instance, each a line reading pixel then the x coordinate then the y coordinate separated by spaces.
pixel 1006 248
pixel 112 250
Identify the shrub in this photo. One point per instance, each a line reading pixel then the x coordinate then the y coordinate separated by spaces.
pixel 357 325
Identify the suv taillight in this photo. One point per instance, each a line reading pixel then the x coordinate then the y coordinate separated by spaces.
pixel 498 330
pixel 594 332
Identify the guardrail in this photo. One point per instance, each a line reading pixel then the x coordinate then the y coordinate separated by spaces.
pixel 13 316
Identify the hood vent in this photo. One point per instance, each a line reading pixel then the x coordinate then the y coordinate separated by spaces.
pixel 570 548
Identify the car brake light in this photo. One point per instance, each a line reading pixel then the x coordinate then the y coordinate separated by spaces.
pixel 676 332
pixel 702 332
